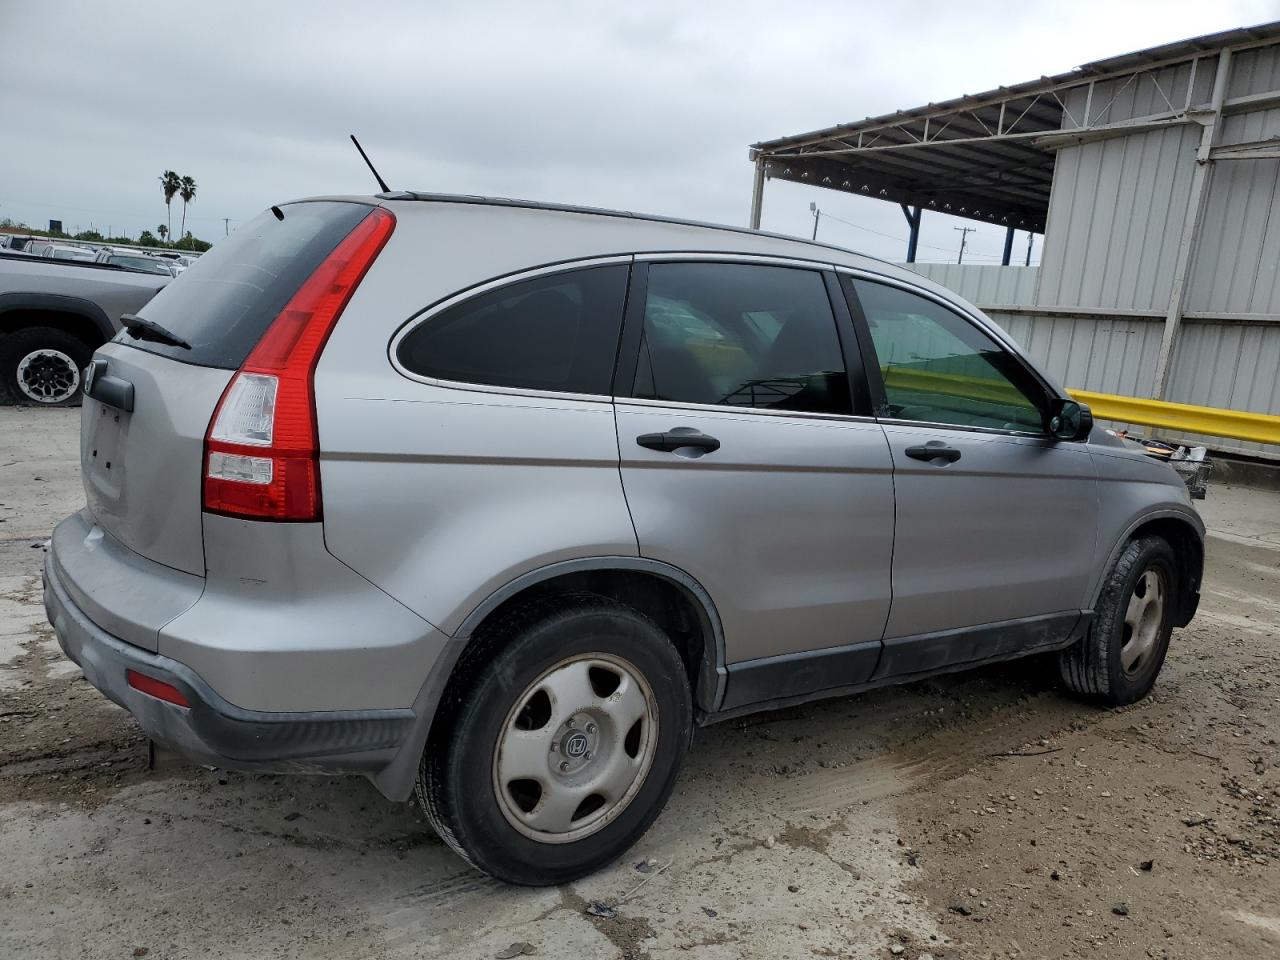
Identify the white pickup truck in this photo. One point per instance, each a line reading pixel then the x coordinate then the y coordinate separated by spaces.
pixel 53 315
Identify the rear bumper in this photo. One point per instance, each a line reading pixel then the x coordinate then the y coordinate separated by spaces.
pixel 212 729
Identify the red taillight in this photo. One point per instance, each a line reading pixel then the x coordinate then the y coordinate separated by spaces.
pixel 261 452
pixel 156 688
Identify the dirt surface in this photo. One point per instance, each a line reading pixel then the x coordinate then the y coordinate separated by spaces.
pixel 982 815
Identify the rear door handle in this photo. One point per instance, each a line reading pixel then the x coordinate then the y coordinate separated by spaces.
pixel 677 439
pixel 933 451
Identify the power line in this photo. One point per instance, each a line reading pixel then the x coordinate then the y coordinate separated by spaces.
pixel 964 236
pixel 889 236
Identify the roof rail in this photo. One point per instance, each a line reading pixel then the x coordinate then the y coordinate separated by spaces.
pixel 605 212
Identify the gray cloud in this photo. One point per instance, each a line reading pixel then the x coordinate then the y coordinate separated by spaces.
pixel 647 106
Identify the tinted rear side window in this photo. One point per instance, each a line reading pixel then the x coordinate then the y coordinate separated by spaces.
pixel 557 332
pixel 224 302
pixel 741 335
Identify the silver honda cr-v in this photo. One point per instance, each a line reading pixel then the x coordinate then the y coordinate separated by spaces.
pixel 498 501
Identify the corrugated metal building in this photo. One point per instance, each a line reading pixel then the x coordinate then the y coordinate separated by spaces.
pixel 1155 178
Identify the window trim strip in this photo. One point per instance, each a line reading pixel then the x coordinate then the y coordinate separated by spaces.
pixel 761 411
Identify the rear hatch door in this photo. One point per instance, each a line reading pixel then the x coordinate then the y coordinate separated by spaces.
pixel 143 467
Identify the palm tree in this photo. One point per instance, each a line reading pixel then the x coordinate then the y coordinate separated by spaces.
pixel 188 193
pixel 170 183
pixel 163 231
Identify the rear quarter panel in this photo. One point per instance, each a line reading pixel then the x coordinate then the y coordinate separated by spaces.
pixel 439 494
pixel 442 496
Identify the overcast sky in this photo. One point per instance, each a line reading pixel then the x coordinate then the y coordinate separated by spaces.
pixel 643 106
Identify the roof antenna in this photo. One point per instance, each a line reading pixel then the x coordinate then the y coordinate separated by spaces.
pixel 382 183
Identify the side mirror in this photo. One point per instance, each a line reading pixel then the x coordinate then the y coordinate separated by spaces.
pixel 1069 420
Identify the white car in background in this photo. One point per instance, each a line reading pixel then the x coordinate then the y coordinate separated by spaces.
pixel 178 261
pixel 136 261
pixel 69 252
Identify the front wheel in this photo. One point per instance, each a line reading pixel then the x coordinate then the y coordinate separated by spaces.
pixel 563 746
pixel 1118 662
pixel 42 365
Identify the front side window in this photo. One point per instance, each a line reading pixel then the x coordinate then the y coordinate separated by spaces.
pixel 741 335
pixel 557 332
pixel 940 368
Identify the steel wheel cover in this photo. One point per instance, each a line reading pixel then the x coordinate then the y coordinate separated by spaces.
pixel 575 748
pixel 1142 620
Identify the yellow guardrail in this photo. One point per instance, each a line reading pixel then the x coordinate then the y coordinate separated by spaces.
pixel 1183 417
pixel 960 385
pixel 1176 417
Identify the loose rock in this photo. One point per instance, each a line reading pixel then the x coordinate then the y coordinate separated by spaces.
pixel 518 949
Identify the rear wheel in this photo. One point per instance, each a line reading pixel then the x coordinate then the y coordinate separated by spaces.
pixel 42 365
pixel 564 744
pixel 1118 662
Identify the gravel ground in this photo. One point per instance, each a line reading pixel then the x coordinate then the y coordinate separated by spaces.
pixel 981 815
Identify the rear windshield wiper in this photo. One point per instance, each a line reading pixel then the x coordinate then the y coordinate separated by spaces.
pixel 141 328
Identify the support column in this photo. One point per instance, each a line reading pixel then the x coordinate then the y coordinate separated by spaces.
pixel 913 238
pixel 1191 226
pixel 1008 247
pixel 757 193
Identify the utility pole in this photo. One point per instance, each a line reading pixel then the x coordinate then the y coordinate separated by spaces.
pixel 817 215
pixel 964 236
pixel 1031 238
pixel 226 226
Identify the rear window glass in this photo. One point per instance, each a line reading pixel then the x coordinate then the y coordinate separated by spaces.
pixel 224 302
pixel 140 263
pixel 557 332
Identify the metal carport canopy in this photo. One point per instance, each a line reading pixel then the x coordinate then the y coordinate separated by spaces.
pixel 978 156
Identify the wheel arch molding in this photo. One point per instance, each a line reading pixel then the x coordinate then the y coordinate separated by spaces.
pixel 610 575
pixel 51 309
pixel 1185 536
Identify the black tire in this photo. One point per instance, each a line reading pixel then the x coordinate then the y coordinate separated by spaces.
pixel 456 779
pixel 56 376
pixel 1093 667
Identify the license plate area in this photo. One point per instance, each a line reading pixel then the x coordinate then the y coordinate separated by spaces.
pixel 102 455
